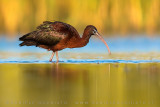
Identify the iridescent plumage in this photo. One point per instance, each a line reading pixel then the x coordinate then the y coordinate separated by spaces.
pixel 57 35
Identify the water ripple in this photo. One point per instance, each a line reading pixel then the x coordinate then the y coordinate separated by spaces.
pixel 86 61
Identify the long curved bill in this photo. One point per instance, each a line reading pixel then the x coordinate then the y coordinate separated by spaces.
pixel 101 38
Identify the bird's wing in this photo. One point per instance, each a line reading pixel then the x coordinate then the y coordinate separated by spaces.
pixel 59 27
pixel 48 33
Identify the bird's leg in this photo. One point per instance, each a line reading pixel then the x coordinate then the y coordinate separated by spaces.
pixel 57 56
pixel 51 57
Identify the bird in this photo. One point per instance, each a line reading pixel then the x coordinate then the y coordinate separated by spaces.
pixel 56 35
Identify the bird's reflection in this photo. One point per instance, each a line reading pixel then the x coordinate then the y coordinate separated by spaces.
pixel 57 74
pixel 76 82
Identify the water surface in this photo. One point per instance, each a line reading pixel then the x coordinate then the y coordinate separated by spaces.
pixel 135 48
pixel 70 85
pixel 86 76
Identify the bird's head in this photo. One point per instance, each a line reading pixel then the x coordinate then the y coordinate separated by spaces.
pixel 93 31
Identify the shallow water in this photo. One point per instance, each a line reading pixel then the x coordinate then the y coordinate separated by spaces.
pixel 127 49
pixel 82 61
pixel 91 85
pixel 85 76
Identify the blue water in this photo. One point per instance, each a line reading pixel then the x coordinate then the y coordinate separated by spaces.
pixel 86 61
pixel 128 49
pixel 128 77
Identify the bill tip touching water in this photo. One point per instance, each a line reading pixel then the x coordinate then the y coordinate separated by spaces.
pixel 55 36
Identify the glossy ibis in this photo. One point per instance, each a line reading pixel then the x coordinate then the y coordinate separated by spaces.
pixel 56 36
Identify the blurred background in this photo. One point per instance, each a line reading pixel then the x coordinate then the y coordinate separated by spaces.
pixel 109 16
pixel 129 75
pixel 128 26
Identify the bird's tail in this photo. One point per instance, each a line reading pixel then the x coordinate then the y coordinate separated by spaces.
pixel 24 37
pixel 27 40
pixel 28 43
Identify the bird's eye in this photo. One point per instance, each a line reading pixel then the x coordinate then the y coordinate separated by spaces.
pixel 94 31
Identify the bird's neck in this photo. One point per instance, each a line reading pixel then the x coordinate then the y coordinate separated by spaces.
pixel 85 38
pixel 86 35
pixel 80 41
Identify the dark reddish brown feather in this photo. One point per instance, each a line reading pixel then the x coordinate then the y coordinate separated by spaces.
pixel 56 36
